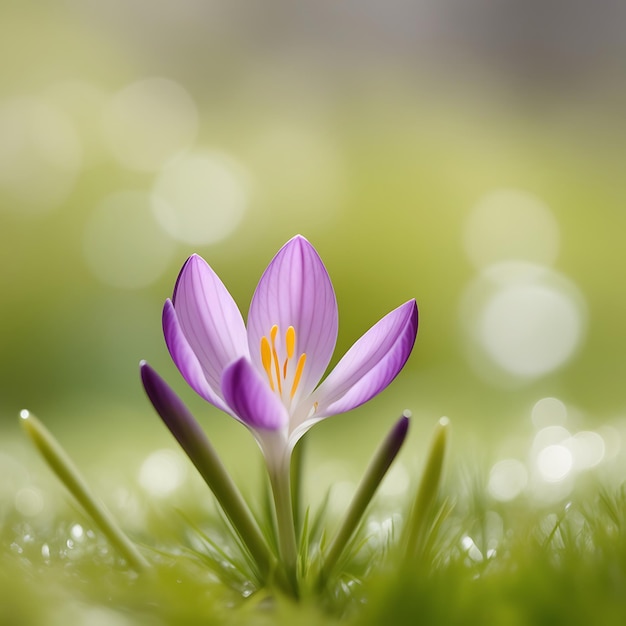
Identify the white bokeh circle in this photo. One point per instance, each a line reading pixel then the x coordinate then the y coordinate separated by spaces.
pixel 201 197
pixel 509 224
pixel 522 320
pixel 149 122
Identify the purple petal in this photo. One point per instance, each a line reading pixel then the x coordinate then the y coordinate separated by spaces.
pixel 370 364
pixel 251 398
pixel 186 360
pixel 396 438
pixel 209 319
pixel 295 290
pixel 172 411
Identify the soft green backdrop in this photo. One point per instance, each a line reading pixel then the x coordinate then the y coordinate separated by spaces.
pixel 373 131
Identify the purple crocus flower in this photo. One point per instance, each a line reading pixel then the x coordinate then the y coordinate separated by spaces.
pixel 267 375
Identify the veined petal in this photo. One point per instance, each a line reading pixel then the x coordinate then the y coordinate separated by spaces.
pixel 186 360
pixel 209 319
pixel 295 290
pixel 370 364
pixel 250 397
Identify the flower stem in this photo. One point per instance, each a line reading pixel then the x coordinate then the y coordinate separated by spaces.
pixel 64 468
pixel 280 479
pixel 374 474
pixel 297 458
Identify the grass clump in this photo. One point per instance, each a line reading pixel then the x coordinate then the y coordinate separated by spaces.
pixel 478 561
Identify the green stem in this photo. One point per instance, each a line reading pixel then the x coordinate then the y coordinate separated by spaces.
pixel 374 474
pixel 280 479
pixel 427 490
pixel 64 468
pixel 297 458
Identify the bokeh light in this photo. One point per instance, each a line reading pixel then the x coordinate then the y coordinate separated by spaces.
pixel 555 462
pixel 523 320
pixel 148 122
pixel 587 448
pixel 162 472
pixel 612 440
pixel 507 479
pixel 557 456
pixel 472 550
pixel 29 501
pixel 549 412
pixel 77 532
pixel 201 197
pixel 511 224
pixel 40 155
pixel 550 435
pixel 530 330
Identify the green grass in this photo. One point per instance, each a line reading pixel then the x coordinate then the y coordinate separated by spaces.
pixel 479 562
pixel 563 565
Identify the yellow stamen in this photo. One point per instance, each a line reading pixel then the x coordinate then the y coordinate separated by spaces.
pixel 266 359
pixel 273 333
pixel 271 365
pixel 290 344
pixel 298 374
pixel 290 341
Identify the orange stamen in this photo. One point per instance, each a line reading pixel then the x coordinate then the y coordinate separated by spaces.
pixel 266 359
pixel 298 374
pixel 273 333
pixel 269 360
pixel 290 342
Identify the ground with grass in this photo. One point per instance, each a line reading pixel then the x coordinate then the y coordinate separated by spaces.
pixel 478 561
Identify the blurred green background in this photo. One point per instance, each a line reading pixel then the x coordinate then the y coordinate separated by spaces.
pixel 468 154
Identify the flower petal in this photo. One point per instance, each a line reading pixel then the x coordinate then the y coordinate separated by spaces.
pixel 370 364
pixel 251 398
pixel 185 359
pixel 295 290
pixel 209 319
pixel 171 410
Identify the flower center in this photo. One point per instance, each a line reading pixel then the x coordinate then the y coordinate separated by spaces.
pixel 278 373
